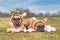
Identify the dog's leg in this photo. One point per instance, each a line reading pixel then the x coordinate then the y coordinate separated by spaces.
pixel 11 25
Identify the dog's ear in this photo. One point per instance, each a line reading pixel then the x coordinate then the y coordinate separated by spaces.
pixel 24 14
pixel 12 12
pixel 33 18
pixel 45 19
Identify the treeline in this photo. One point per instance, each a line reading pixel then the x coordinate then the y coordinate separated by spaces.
pixel 18 11
pixel 31 14
pixel 4 14
pixel 47 14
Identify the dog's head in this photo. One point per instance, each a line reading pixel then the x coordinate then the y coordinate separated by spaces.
pixel 40 23
pixel 17 18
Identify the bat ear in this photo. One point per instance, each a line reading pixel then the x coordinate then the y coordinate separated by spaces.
pixel 12 12
pixel 45 19
pixel 24 14
pixel 34 18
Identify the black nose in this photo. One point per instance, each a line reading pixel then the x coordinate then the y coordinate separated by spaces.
pixel 40 28
pixel 16 20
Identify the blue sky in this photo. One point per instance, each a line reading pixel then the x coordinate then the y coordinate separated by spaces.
pixel 33 5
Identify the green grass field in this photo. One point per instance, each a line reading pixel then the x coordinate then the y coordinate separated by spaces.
pixel 55 21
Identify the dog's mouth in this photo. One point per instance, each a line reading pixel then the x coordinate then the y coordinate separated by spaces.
pixel 16 21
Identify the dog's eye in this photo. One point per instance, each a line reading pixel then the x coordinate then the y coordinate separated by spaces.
pixel 13 18
pixel 19 18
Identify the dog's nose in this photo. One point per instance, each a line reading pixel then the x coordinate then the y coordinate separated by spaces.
pixel 16 20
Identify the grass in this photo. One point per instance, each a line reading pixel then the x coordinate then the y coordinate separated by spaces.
pixel 55 21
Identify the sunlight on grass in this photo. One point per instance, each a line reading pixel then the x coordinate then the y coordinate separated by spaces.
pixel 4 23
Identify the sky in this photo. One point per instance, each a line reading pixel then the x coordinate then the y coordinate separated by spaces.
pixel 33 5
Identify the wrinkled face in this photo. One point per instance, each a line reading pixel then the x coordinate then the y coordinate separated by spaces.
pixel 16 19
pixel 38 24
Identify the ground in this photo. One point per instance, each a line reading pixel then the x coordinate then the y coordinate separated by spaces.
pixel 53 21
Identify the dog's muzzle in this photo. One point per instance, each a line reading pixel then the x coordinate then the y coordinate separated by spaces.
pixel 40 28
pixel 16 21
